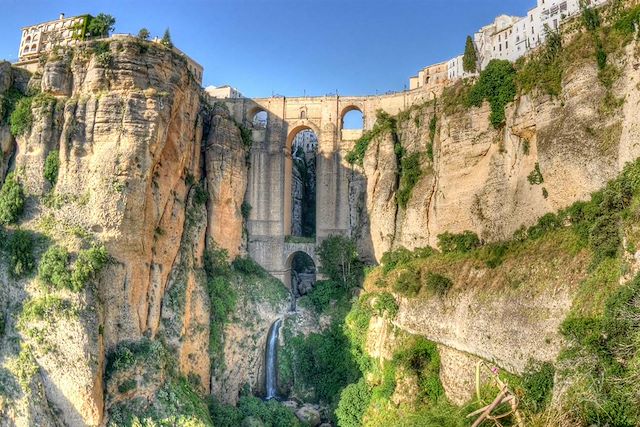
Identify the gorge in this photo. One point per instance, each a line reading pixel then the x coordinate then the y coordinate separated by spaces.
pixel 174 259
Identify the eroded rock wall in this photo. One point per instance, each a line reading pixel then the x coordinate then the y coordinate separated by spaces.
pixel 478 178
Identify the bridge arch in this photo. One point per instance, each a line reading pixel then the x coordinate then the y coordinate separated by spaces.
pixel 259 117
pixel 300 271
pixel 305 212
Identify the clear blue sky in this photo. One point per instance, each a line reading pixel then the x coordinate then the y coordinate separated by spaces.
pixel 289 47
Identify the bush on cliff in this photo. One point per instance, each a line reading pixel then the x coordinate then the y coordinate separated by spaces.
pixel 354 401
pixel 54 269
pixel 11 200
pixel 496 85
pixel 21 118
pixel 461 242
pixel 20 249
pixel 51 166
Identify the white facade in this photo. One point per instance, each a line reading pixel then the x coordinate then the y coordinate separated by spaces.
pixel 43 37
pixel 511 37
pixel 223 92
pixel 306 140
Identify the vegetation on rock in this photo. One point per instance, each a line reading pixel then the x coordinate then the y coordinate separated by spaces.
pixel 11 200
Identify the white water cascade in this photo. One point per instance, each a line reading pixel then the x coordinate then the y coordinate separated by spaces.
pixel 270 360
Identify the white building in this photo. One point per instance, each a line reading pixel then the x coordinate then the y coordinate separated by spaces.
pixel 507 38
pixel 223 92
pixel 306 140
pixel 40 38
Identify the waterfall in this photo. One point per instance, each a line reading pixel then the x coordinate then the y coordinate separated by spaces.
pixel 270 360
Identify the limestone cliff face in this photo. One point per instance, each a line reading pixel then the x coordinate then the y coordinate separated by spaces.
pixel 226 174
pixel 478 179
pixel 129 133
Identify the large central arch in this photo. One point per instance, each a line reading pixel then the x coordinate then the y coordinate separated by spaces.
pixel 288 172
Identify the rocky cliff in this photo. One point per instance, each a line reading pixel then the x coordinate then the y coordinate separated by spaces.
pixel 478 176
pixel 144 168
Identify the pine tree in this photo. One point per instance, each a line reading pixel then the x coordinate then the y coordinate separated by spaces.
pixel 166 39
pixel 470 58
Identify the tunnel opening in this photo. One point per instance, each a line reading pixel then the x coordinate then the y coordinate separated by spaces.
pixel 259 119
pixel 303 274
pixel 303 184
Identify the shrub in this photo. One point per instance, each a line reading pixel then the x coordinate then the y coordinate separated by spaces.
pixel 245 210
pixel 21 259
pixel 52 270
pixel 385 303
pixel 535 177
pixel 407 283
pixel 340 263
pixel 462 242
pixel 497 85
pixel 355 328
pixel 144 34
pixel 410 173
pixel 590 18
pixel 601 358
pixel 494 254
pixel 87 266
pixel 246 135
pixel 51 166
pixel 11 200
pixel 384 124
pixel 546 223
pixel 270 413
pixel 354 401
pixel 222 298
pixel 325 292
pixel 46 308
pixel 248 267
pixel 542 70
pixel 402 256
pixel 537 382
pixel 8 102
pixel 323 363
pixel 216 261
pixel 437 284
pixel 421 357
pixel 25 367
pixel 200 195
pixel 21 118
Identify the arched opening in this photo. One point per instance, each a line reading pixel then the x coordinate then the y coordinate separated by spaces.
pixel 259 119
pixel 303 274
pixel 353 119
pixel 303 114
pixel 304 147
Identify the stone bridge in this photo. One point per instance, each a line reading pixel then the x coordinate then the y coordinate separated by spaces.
pixel 270 174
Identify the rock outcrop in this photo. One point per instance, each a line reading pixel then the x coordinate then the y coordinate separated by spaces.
pixel 129 133
pixel 478 178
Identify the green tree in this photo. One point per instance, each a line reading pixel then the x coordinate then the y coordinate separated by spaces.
pixel 144 34
pixel 101 25
pixel 20 248
pixel 11 200
pixel 51 166
pixel 354 400
pixel 166 39
pixel 470 58
pixel 340 261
